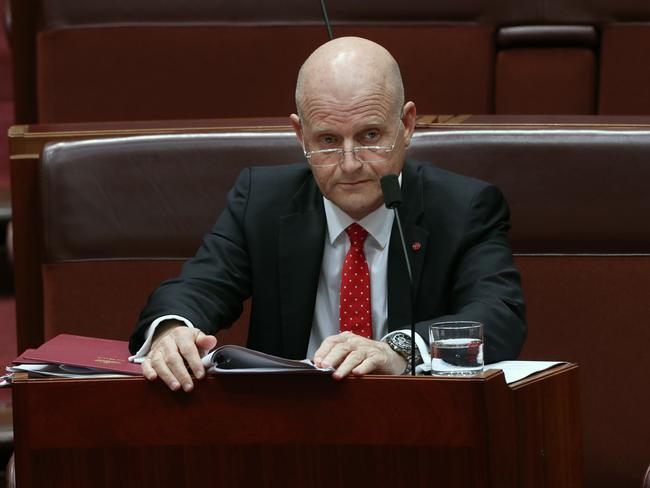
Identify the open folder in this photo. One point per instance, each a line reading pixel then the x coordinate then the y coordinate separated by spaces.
pixel 237 359
pixel 74 356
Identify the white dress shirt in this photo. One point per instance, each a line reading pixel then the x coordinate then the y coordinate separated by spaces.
pixel 378 224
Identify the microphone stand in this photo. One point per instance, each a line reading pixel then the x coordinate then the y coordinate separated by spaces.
pixel 393 199
pixel 408 269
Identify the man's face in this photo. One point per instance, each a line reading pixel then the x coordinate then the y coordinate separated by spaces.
pixel 367 120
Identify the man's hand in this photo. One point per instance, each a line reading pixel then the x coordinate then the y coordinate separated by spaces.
pixel 350 353
pixel 173 345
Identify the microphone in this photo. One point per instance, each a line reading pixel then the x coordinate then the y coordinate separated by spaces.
pixel 393 199
pixel 391 190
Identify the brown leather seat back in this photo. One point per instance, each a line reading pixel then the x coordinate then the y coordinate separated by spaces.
pixel 570 190
pixel 120 215
pixel 546 69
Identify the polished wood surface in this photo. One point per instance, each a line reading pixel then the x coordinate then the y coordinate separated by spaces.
pixel 549 430
pixel 294 430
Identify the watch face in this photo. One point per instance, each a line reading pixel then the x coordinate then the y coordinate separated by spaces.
pixel 402 341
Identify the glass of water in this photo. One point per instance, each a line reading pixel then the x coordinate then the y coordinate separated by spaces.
pixel 456 348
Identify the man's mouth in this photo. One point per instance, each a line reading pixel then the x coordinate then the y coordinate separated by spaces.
pixel 352 183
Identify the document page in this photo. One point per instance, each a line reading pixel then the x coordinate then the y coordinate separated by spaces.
pixel 518 370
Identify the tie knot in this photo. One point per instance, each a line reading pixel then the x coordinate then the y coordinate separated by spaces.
pixel 357 234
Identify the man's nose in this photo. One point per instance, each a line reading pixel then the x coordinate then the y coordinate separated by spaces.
pixel 349 161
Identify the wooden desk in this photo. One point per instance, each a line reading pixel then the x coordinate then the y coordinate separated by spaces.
pixel 292 430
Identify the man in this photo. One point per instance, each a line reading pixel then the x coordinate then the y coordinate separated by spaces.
pixel 295 237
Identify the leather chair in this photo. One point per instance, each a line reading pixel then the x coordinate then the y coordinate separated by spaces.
pixel 546 70
pixel 121 215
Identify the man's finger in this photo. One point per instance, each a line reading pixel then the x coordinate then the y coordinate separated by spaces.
pixel 148 371
pixel 326 347
pixel 164 373
pixel 321 352
pixel 206 342
pixel 177 366
pixel 367 366
pixel 191 354
pixel 337 355
pixel 351 360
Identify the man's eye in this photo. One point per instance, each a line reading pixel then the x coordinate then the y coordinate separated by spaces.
pixel 371 136
pixel 327 140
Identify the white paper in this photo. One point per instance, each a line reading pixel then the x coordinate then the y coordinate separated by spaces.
pixel 518 370
pixel 6 379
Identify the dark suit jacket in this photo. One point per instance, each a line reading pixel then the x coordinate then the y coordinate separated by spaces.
pixel 268 244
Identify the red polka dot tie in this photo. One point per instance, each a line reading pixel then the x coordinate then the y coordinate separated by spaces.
pixel 354 307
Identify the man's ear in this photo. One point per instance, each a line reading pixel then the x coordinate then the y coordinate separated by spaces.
pixel 295 123
pixel 408 119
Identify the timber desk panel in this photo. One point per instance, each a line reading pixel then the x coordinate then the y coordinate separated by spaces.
pixel 301 431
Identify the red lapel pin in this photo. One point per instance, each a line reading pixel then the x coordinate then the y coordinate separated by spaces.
pixel 416 246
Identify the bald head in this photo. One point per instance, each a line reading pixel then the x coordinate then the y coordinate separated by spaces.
pixel 347 67
pixel 352 121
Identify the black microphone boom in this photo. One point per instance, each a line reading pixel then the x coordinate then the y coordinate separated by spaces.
pixel 326 19
pixel 393 199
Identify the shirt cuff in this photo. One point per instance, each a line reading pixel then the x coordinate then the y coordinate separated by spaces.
pixel 139 356
pixel 422 347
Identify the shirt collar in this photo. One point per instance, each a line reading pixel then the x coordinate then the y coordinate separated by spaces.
pixel 378 223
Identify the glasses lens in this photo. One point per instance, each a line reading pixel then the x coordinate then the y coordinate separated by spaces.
pixel 363 154
pixel 325 158
pixel 372 154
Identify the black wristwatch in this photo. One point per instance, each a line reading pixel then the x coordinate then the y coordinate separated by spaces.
pixel 401 344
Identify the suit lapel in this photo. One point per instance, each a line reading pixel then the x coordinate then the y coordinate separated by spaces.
pixel 416 238
pixel 301 238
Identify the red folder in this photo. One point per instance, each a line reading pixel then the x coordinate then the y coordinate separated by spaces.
pixel 89 352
